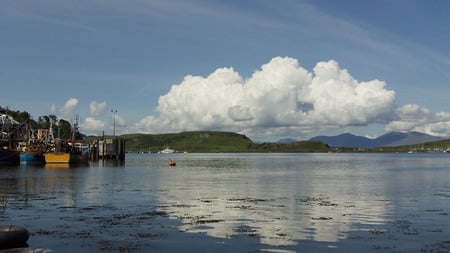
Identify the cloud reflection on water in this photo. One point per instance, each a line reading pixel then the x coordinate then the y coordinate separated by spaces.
pixel 280 200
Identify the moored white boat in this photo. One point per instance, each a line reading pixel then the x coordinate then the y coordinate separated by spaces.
pixel 166 151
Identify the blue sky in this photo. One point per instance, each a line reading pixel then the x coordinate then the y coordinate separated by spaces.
pixel 267 69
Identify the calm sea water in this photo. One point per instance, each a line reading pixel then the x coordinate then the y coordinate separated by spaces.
pixel 235 203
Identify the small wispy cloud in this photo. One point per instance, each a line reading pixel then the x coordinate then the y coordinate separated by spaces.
pixel 97 109
pixel 38 13
pixel 69 106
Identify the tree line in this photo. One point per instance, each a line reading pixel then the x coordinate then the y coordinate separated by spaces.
pixel 62 128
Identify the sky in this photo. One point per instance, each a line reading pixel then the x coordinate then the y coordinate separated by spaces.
pixel 266 69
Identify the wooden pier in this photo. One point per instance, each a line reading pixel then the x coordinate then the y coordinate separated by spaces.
pixel 109 149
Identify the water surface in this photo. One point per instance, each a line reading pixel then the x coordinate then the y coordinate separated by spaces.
pixel 235 203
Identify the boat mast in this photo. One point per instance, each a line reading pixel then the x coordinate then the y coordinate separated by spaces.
pixel 75 128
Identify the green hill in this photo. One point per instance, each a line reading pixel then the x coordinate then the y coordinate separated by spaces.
pixel 200 141
pixel 212 142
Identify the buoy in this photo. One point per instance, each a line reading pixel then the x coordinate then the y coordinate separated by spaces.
pixel 13 236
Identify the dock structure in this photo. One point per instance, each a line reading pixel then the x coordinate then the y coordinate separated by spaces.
pixel 109 149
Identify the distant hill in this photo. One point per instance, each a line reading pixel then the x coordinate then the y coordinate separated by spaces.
pixel 389 139
pixel 401 139
pixel 195 141
pixel 345 140
pixel 212 142
pixel 215 141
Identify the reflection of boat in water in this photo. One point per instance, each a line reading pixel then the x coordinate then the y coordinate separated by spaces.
pixel 57 165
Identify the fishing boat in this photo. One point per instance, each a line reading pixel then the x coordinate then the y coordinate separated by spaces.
pixel 10 134
pixel 8 156
pixel 32 151
pixel 57 157
pixel 68 151
pixel 32 157
pixel 76 153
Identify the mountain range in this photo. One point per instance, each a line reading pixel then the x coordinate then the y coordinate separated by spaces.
pixel 389 139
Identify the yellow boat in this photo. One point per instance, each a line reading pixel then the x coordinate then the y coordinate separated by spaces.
pixel 79 154
pixel 68 151
pixel 57 157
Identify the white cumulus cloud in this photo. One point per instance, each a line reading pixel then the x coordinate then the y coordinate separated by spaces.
pixel 280 98
pixel 339 99
pixel 239 113
pixel 92 125
pixel 412 117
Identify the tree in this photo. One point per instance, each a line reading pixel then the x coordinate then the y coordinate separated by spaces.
pixel 44 122
pixel 64 129
pixel 61 128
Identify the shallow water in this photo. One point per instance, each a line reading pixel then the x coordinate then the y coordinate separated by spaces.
pixel 235 203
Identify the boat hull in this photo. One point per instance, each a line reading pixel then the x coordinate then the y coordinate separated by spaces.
pixel 31 158
pixel 79 158
pixel 66 158
pixel 57 158
pixel 11 157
